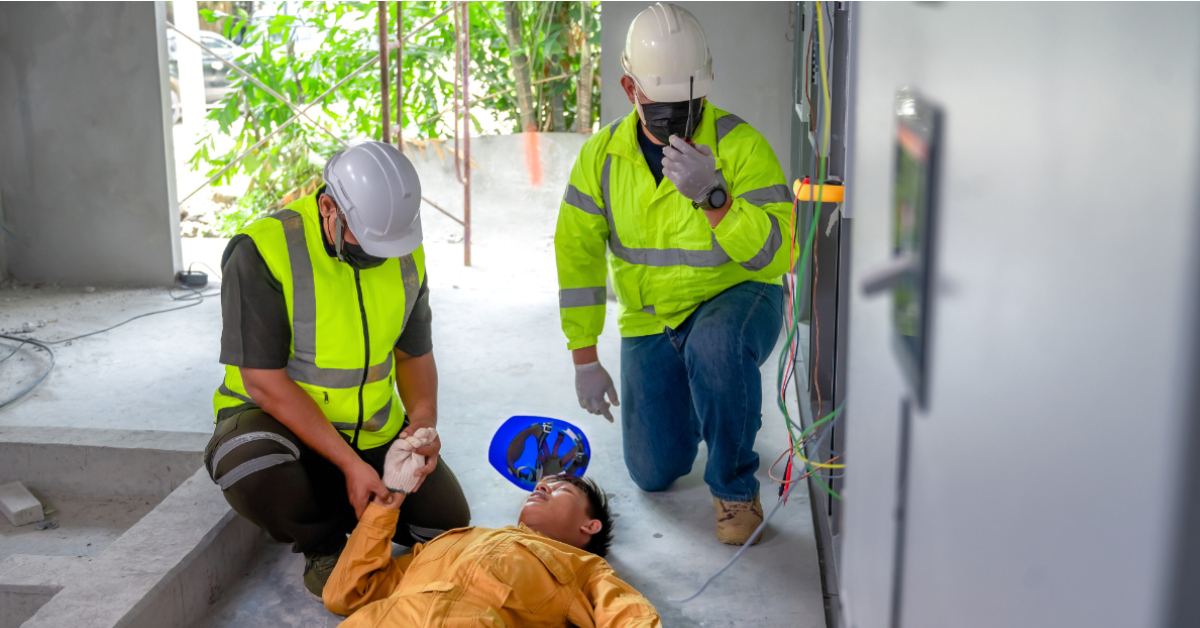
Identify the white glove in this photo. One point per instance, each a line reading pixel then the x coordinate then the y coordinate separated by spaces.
pixel 402 461
pixel 591 384
pixel 692 169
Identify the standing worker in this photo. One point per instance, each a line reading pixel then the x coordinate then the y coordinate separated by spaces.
pixel 690 201
pixel 328 359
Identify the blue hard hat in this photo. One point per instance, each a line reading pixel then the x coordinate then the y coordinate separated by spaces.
pixel 527 448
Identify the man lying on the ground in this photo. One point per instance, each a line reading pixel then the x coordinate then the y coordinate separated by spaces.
pixel 547 570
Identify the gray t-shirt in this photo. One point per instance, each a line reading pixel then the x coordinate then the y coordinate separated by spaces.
pixel 256 332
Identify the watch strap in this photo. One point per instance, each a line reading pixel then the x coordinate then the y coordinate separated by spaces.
pixel 705 202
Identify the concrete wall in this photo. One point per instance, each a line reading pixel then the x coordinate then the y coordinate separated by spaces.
pixel 520 181
pixel 1044 473
pixel 752 61
pixel 83 147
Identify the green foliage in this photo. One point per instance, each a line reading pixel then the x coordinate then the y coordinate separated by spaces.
pixel 555 49
pixel 340 38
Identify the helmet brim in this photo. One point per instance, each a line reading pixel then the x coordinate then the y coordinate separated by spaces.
pixel 392 248
pixel 676 91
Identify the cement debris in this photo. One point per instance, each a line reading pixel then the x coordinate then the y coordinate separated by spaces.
pixel 19 505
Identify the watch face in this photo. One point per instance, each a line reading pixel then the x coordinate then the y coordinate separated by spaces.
pixel 717 198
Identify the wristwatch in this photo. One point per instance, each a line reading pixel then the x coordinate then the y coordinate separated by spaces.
pixel 715 199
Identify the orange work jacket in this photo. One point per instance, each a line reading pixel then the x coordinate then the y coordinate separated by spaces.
pixel 477 577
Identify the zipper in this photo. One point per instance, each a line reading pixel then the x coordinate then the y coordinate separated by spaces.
pixel 362 310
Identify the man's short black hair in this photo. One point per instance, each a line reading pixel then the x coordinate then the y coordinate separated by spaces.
pixel 597 509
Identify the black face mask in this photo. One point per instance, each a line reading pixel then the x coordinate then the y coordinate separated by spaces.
pixel 356 257
pixel 664 119
pixel 352 254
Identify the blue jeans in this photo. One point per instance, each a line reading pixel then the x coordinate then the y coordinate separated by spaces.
pixel 701 381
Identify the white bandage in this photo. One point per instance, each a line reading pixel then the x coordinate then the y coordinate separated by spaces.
pixel 403 461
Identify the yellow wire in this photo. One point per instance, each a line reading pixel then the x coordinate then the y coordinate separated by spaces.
pixel 821 184
pixel 819 465
pixel 824 80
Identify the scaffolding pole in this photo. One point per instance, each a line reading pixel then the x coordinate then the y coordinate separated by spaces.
pixel 462 116
pixel 385 108
pixel 400 75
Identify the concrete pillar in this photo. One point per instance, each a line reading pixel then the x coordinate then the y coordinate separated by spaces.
pixel 191 70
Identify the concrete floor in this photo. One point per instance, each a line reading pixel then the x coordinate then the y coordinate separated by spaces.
pixel 500 352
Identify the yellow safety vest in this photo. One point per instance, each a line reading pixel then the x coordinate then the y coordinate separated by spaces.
pixel 345 324
pixel 663 256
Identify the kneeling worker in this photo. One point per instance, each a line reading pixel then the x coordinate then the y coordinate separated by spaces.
pixel 548 570
pixel 328 359
pixel 692 206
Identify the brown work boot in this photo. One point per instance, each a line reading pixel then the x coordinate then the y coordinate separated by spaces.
pixel 737 521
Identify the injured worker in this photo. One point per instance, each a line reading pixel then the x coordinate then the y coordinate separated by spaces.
pixel 548 570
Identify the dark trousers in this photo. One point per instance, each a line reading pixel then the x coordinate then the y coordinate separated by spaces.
pixel 270 477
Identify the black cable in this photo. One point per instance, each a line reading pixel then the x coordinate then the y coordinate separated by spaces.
pixel 214 271
pixel 10 353
pixel 197 297
pixel 37 381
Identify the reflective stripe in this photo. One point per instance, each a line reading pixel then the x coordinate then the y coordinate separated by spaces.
pixel 612 128
pixel 604 195
pixel 584 202
pixel 672 257
pixel 374 424
pixel 582 297
pixel 424 535
pixel 725 124
pixel 255 464
pixel 649 309
pixel 770 247
pixel 771 194
pixel 246 468
pixel 655 257
pixel 224 390
pixel 304 295
pixel 411 278
pixel 380 371
pixel 313 375
pixel 238 441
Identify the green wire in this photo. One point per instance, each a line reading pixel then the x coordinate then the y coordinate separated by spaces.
pixel 824 485
pixel 828 417
pixel 812 470
pixel 814 210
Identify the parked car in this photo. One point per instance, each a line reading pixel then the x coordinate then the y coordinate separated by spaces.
pixel 217 75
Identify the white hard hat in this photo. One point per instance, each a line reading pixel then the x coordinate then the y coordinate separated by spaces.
pixel 665 49
pixel 377 189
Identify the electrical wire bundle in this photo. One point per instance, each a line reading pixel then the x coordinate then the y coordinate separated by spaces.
pixel 788 355
pixel 196 297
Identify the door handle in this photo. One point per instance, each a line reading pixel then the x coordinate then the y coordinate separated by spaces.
pixel 885 277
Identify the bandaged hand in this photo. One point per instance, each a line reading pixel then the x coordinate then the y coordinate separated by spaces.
pixel 402 462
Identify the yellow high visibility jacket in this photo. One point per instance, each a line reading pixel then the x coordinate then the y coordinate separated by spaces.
pixel 663 256
pixel 479 578
pixel 345 324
